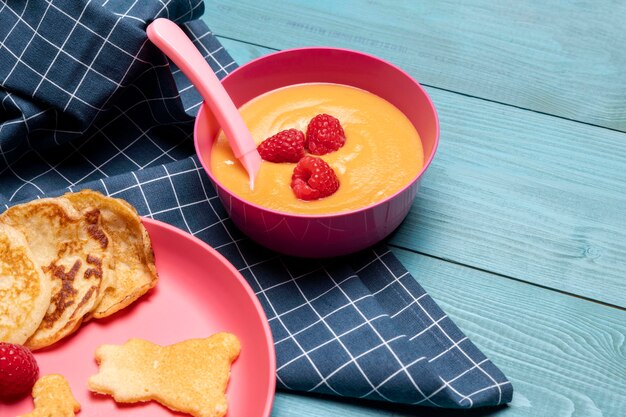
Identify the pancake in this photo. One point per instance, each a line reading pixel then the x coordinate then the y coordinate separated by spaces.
pixel 24 288
pixel 134 268
pixel 73 252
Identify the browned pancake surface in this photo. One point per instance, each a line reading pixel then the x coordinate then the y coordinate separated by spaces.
pixel 24 288
pixel 129 243
pixel 70 248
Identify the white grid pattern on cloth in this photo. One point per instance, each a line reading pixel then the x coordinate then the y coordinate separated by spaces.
pixel 353 359
pixel 29 170
pixel 455 346
pixel 359 326
pixel 401 366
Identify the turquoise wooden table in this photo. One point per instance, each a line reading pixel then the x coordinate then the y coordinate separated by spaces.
pixel 519 229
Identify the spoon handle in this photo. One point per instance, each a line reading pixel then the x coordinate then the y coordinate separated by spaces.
pixel 173 42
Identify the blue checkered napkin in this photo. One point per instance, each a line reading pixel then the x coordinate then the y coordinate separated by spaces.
pixel 85 95
pixel 88 102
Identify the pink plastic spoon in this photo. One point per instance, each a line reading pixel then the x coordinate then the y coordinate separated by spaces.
pixel 173 42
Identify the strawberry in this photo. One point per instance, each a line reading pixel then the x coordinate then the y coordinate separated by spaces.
pixel 18 370
pixel 285 146
pixel 313 178
pixel 324 134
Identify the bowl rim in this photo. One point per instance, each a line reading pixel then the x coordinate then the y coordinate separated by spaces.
pixel 382 202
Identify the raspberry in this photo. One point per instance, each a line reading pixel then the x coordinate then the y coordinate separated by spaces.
pixel 18 370
pixel 324 134
pixel 285 146
pixel 313 178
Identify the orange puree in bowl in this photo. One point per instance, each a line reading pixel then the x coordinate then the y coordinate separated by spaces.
pixel 382 153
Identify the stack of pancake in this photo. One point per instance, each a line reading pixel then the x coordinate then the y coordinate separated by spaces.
pixel 66 260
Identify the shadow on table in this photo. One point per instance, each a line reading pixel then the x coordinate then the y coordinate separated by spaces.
pixel 400 410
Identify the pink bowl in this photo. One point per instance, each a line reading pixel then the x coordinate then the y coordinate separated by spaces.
pixel 333 234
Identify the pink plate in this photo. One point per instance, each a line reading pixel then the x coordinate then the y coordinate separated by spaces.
pixel 199 293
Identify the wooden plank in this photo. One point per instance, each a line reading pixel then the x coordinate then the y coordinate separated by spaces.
pixel 525 195
pixel 243 52
pixel 564 356
pixel 522 194
pixel 561 58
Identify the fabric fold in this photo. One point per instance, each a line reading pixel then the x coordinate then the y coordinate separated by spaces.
pixel 67 62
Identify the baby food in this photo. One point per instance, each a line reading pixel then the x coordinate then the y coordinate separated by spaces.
pixel 382 152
